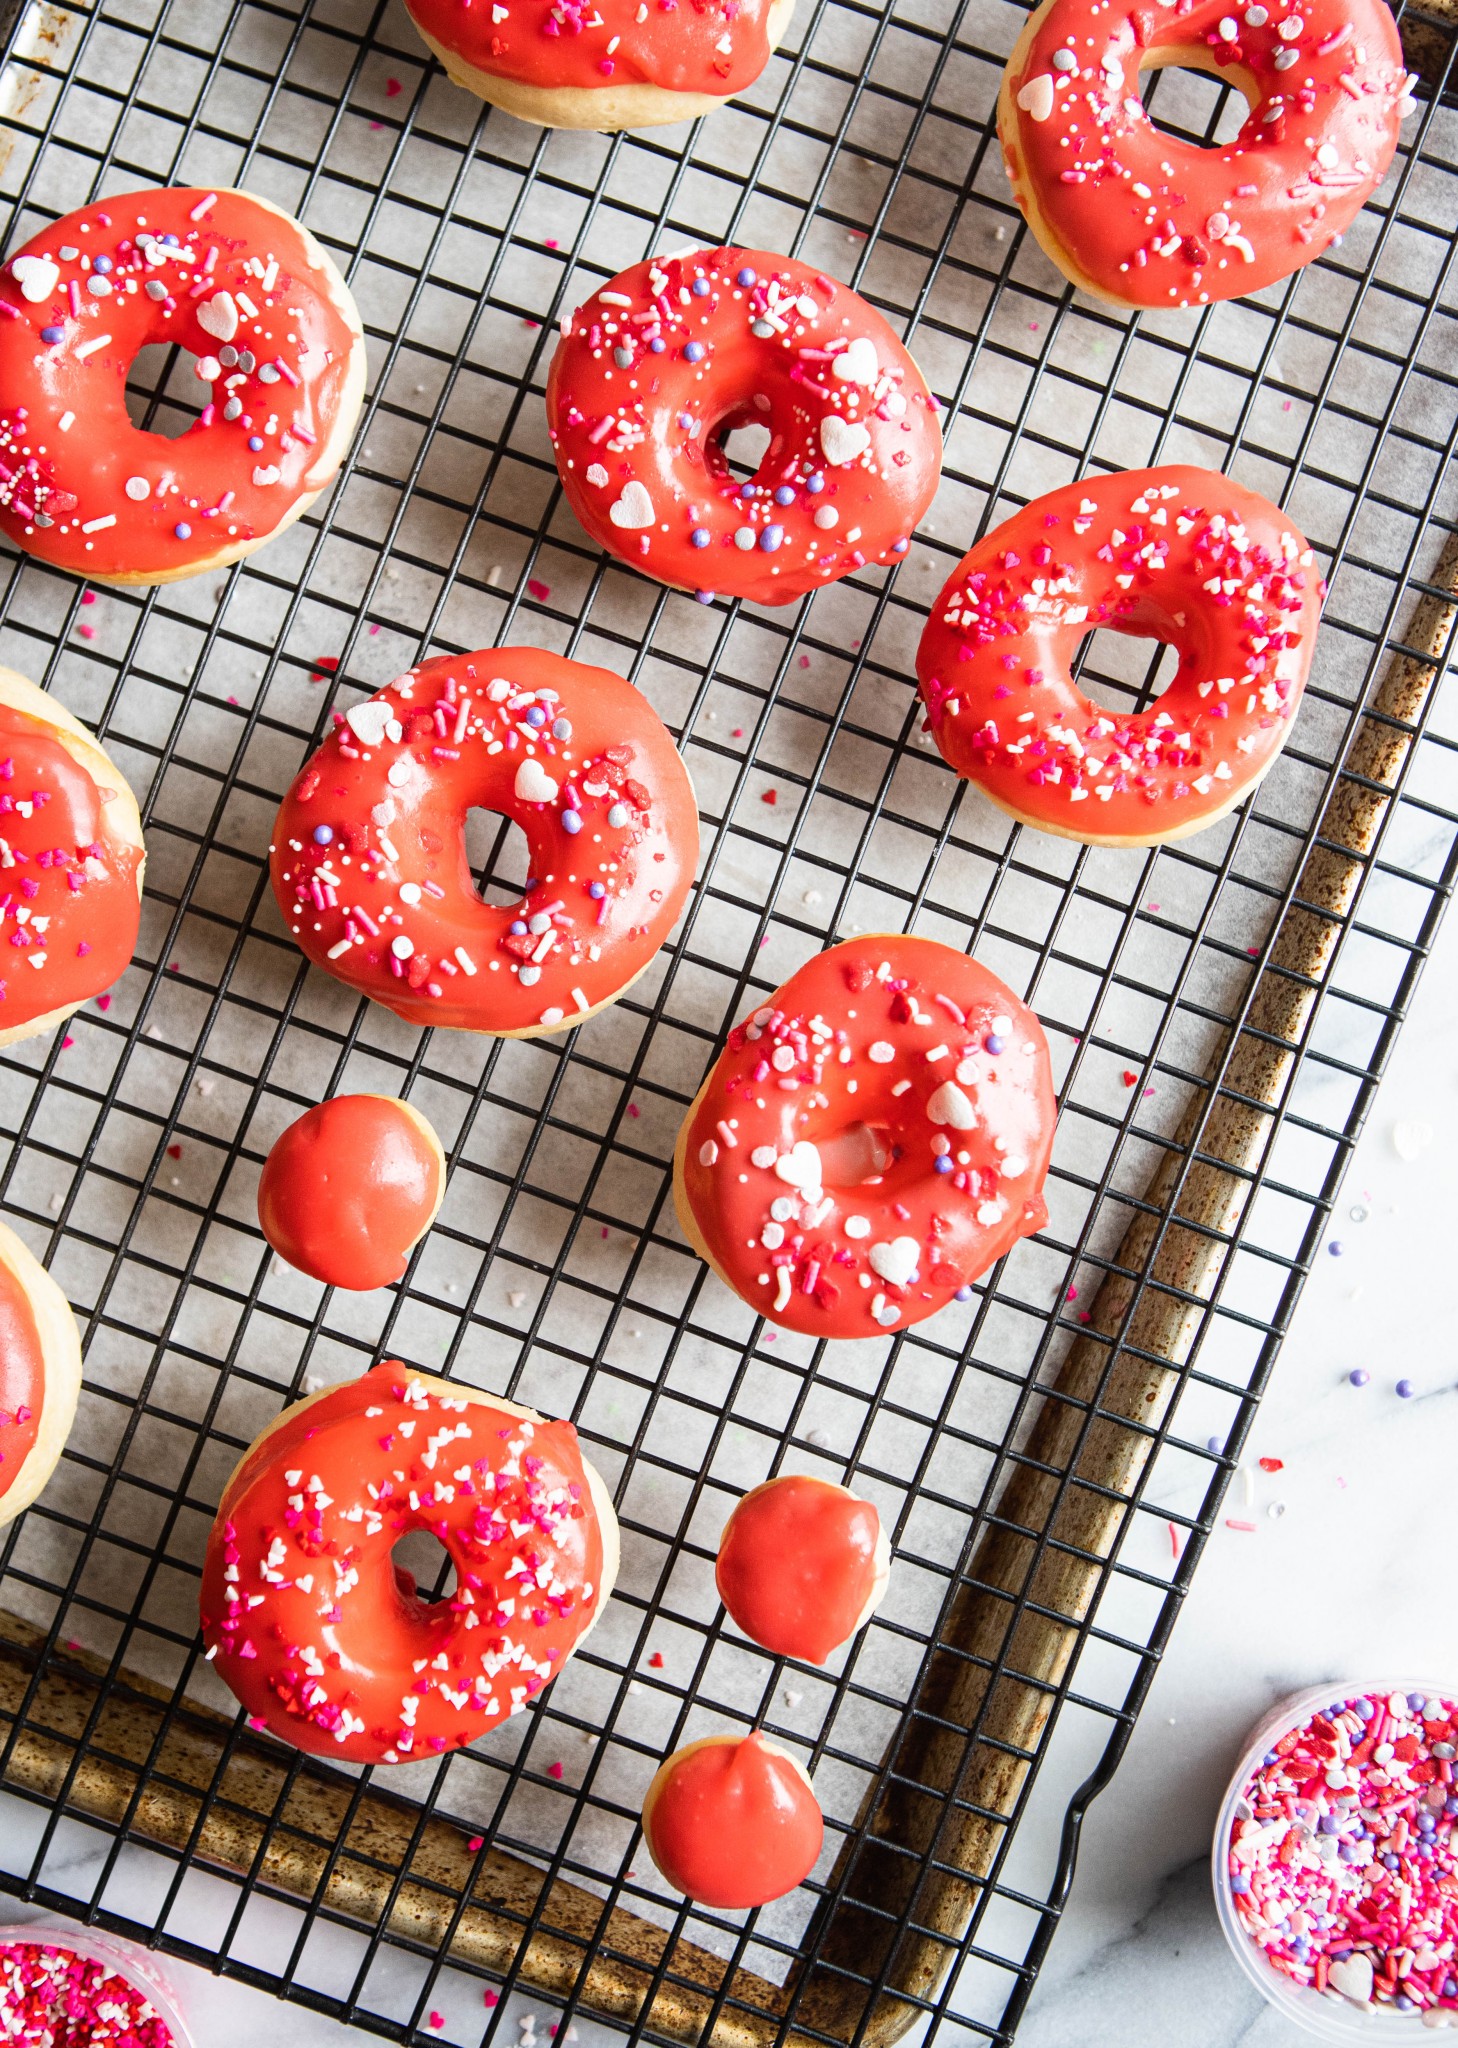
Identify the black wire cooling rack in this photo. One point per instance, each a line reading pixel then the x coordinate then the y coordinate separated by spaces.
pixel 1219 1011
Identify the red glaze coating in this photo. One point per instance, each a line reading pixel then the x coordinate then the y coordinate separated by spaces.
pixel 1179 555
pixel 69 902
pixel 389 905
pixel 716 47
pixel 732 1824
pixel 907 1040
pixel 341 1657
pixel 350 1188
pixel 854 436
pixel 22 1379
pixel 797 1566
pixel 1138 216
pixel 83 488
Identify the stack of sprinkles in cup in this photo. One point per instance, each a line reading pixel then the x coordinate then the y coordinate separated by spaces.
pixel 1342 1859
pixel 52 1998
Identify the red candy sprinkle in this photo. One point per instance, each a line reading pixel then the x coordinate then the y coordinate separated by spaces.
pixel 52 1998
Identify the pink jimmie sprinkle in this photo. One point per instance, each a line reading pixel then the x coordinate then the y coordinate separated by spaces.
pixel 1342 1862
pixel 52 1998
pixel 1245 1528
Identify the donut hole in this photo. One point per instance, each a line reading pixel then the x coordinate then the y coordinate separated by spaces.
pixel 1191 103
pixel 855 1157
pixel 164 394
pixel 1124 672
pixel 744 444
pixel 425 1559
pixel 496 848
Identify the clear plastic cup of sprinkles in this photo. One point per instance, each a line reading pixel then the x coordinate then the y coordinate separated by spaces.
pixel 1335 1860
pixel 79 1987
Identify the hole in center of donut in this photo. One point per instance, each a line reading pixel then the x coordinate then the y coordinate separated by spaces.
pixel 496 848
pixel 744 443
pixel 164 392
pixel 851 1157
pixel 423 1566
pixel 1190 102
pixel 1124 672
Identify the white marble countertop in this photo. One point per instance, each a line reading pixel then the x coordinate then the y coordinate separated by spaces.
pixel 1139 1961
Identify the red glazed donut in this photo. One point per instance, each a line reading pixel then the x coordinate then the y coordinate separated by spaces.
pixel 733 1822
pixel 40 1375
pixel 870 1140
pixel 1180 555
pixel 72 886
pixel 326 1643
pixel 350 1188
pixel 1130 213
pixel 278 338
pixel 802 1566
pixel 660 364
pixel 617 64
pixel 369 855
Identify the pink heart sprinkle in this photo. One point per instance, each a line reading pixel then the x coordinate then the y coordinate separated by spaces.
pixel 103 1002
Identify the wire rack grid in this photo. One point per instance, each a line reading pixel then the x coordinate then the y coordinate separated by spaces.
pixel 556 1273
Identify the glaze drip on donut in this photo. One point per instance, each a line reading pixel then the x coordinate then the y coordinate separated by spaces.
pixel 279 348
pixel 657 366
pixel 869 1141
pixel 1175 554
pixel 369 858
pixel 308 1620
pixel 22 1379
pixel 1136 215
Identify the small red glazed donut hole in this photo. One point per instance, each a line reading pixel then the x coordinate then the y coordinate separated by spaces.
pixel 1140 217
pixel 616 65
pixel 279 349
pixel 803 1565
pixel 348 1190
pixel 733 1822
pixel 660 365
pixel 1179 555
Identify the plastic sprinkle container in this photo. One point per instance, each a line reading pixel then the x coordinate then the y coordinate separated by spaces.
pixel 1335 1861
pixel 79 1987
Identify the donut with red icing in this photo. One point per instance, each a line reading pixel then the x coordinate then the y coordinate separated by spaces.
pixel 870 1140
pixel 326 1643
pixel 1132 213
pixel 350 1188
pixel 40 1375
pixel 733 1822
pixel 70 901
pixel 617 64
pixel 279 349
pixel 1174 554
pixel 369 855
pixel 660 364
pixel 802 1566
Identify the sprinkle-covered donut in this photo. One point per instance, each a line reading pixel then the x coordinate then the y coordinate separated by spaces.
pixel 870 1140
pixel 350 1188
pixel 617 64
pixel 802 1566
pixel 71 862
pixel 662 363
pixel 1175 554
pixel 733 1822
pixel 40 1375
pixel 369 855
pixel 326 1643
pixel 1132 214
pixel 279 346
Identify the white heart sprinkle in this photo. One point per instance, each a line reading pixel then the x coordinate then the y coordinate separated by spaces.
pixel 597 476
pixel 1352 1978
pixel 534 785
pixel 218 316
pixel 841 441
pixel 368 722
pixel 950 1106
pixel 1036 97
pixel 856 364
pixel 634 508
pixel 263 477
pixel 37 277
pixel 896 1260
pixel 799 1167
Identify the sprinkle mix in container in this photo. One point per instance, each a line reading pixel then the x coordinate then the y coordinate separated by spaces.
pixel 1335 1864
pixel 77 1987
